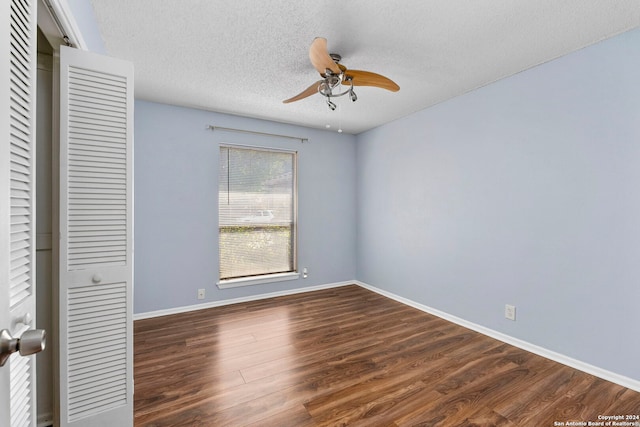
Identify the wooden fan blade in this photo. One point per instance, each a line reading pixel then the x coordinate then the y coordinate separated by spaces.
pixel 319 56
pixel 307 92
pixel 367 78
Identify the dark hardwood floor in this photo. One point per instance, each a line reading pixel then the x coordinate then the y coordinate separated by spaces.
pixel 348 356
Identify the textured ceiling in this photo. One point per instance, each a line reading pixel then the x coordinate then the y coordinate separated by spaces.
pixel 245 57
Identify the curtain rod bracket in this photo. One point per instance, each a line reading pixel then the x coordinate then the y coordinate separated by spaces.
pixel 301 139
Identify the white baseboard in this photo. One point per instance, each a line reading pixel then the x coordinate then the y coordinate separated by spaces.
pixel 540 351
pixel 210 304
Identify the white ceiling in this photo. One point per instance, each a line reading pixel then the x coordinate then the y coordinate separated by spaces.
pixel 245 57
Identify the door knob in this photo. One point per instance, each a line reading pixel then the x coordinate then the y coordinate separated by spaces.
pixel 30 342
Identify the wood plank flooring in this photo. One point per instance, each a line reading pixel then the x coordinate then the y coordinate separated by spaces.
pixel 350 357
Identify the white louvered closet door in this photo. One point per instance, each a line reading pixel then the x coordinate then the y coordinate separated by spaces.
pixel 17 197
pixel 96 240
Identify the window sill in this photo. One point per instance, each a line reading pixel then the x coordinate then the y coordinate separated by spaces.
pixel 248 281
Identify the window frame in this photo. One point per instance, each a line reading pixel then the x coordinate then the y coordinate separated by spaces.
pixel 269 277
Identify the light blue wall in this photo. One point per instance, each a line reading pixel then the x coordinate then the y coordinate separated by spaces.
pixel 85 17
pixel 176 217
pixel 525 192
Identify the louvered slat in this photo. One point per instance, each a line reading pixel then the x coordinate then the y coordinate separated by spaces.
pixel 21 164
pixel 21 63
pixel 107 358
pixel 97 349
pixel 20 383
pixel 97 193
pixel 106 234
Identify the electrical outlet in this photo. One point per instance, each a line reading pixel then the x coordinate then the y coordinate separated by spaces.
pixel 305 273
pixel 200 293
pixel 510 312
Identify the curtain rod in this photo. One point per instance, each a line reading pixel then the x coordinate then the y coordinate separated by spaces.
pixel 258 133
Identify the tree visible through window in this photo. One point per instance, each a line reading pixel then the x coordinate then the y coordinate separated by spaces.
pixel 257 215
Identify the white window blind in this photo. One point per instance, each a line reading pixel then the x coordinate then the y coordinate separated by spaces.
pixel 257 214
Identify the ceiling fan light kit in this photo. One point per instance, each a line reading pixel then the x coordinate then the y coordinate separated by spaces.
pixel 337 80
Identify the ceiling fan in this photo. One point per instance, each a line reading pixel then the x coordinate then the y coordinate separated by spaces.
pixel 337 80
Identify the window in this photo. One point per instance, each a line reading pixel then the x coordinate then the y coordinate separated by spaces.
pixel 257 214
